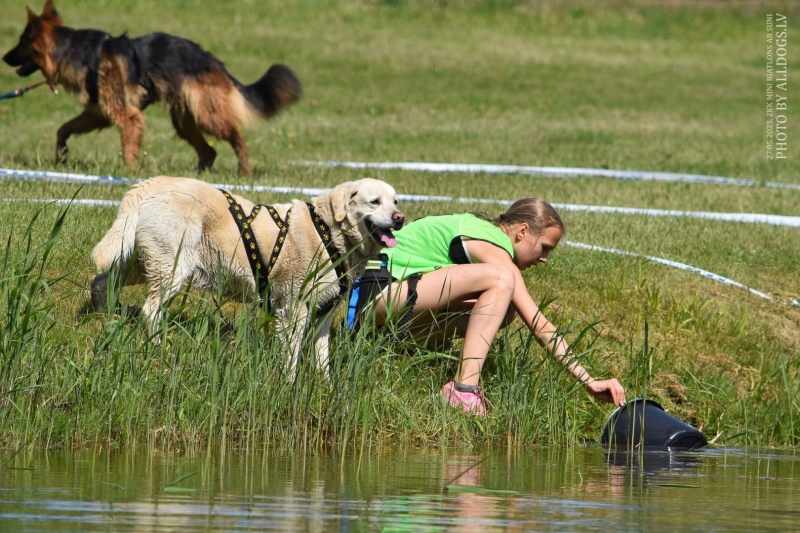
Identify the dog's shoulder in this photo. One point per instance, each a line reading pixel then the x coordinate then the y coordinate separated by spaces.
pixel 324 209
pixel 78 49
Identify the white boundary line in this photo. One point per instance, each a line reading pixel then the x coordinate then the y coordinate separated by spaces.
pixel 67 177
pixel 778 220
pixel 554 172
pixel 749 218
pixel 667 262
pixel 674 264
pixel 64 201
pixel 545 172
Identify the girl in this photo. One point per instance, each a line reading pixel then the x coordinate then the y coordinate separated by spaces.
pixel 460 275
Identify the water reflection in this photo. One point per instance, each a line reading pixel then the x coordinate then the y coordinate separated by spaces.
pixel 403 490
pixel 657 460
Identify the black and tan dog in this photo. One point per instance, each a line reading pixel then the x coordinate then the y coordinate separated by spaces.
pixel 115 78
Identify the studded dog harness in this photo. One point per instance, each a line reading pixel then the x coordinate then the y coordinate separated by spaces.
pixel 260 270
pixel 324 233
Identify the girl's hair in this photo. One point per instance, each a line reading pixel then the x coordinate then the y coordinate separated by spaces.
pixel 538 214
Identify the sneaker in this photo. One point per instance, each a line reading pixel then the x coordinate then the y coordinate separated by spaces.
pixel 470 401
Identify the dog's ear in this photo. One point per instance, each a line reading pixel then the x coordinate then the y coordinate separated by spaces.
pixel 31 14
pixel 340 199
pixel 50 13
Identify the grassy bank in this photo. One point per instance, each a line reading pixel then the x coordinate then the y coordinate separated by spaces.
pixel 623 85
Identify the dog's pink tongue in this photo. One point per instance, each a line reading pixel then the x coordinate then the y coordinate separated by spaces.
pixel 388 240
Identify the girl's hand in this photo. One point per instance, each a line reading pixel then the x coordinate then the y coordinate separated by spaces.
pixel 607 390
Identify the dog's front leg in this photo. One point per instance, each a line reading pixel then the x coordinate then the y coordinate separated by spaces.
pixel 293 327
pixel 83 123
pixel 322 345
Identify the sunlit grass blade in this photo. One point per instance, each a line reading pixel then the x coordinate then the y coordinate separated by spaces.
pixel 183 477
pixel 459 489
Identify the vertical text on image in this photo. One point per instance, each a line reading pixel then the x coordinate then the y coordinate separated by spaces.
pixel 781 80
pixel 770 123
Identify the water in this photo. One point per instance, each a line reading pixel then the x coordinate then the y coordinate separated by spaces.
pixel 403 490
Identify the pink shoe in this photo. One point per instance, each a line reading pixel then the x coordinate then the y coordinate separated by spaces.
pixel 470 401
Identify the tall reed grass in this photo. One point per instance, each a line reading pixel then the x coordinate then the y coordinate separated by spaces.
pixel 213 373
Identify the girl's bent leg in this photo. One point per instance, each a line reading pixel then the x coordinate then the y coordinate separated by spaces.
pixel 482 290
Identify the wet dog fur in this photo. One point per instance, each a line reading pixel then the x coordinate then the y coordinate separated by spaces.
pixel 182 229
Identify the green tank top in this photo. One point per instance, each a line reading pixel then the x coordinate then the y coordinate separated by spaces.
pixel 428 243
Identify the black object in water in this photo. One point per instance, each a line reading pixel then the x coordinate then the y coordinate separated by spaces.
pixel 646 422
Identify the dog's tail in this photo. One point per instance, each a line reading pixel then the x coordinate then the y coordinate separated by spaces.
pixel 277 89
pixel 116 248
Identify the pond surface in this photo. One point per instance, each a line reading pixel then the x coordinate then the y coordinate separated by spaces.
pixel 403 490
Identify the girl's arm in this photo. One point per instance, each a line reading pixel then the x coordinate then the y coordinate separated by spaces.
pixel 609 390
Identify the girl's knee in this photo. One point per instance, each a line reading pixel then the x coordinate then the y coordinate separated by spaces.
pixel 505 279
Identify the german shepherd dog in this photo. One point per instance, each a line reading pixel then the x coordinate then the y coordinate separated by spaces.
pixel 115 78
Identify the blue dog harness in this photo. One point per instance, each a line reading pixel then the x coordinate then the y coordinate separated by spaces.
pixel 368 287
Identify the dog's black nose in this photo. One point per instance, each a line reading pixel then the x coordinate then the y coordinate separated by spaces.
pixel 12 58
pixel 398 219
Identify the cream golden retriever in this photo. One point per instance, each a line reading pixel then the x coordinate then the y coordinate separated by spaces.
pixel 183 229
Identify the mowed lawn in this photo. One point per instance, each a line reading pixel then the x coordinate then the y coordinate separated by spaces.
pixel 671 87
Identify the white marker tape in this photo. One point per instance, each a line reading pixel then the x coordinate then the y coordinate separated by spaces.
pixel 674 264
pixel 555 172
pixel 749 218
pixel 437 167
pixel 67 177
pixel 753 218
pixel 545 172
pixel 667 262
pixel 63 201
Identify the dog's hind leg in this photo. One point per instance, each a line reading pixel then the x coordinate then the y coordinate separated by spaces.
pixel 212 104
pixel 83 123
pixel 165 282
pixel 225 127
pixel 187 129
pixel 168 245
pixel 100 287
pixel 239 145
pixel 112 281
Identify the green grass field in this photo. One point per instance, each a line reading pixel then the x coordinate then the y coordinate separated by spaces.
pixel 672 86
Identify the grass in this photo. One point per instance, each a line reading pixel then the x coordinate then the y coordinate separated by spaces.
pixel 628 85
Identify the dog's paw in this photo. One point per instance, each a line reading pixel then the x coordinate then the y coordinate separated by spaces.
pixel 61 155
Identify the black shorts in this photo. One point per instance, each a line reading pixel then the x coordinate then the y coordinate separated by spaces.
pixel 367 288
